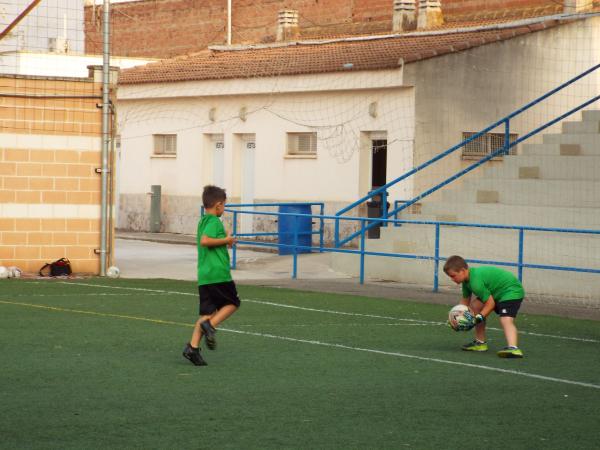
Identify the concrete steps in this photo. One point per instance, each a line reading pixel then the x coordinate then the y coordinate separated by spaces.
pixel 550 193
pixel 569 148
pixel 553 184
pixel 545 167
pixel 537 216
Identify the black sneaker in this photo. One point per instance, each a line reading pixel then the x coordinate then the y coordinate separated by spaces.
pixel 209 333
pixel 193 354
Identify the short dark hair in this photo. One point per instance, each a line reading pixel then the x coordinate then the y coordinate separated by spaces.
pixel 213 195
pixel 455 263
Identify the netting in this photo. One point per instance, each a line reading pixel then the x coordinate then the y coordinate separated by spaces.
pixel 331 121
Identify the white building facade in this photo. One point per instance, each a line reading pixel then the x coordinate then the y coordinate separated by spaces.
pixel 243 132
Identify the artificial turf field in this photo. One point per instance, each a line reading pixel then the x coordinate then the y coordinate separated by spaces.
pixel 97 363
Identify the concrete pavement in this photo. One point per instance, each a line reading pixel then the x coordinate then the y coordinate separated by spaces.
pixel 173 256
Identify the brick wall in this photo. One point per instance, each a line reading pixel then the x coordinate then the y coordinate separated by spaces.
pixel 455 10
pixel 50 195
pixel 175 27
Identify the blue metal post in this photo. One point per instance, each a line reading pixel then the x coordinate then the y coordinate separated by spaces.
pixel 384 210
pixel 521 239
pixel 336 233
pixel 234 247
pixel 436 259
pixel 321 227
pixel 362 252
pixel 295 264
pixel 506 136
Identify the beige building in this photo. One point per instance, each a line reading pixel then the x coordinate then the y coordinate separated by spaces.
pixel 306 121
pixel 50 187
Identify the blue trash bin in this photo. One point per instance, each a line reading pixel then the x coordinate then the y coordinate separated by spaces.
pixel 289 225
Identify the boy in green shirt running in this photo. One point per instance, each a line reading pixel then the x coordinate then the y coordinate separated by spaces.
pixel 495 290
pixel 218 294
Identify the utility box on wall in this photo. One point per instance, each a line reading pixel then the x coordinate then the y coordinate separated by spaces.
pixel 155 195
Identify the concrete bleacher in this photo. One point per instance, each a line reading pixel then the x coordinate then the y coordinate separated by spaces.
pixel 553 184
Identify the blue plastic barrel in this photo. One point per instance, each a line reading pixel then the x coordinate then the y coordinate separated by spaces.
pixel 290 225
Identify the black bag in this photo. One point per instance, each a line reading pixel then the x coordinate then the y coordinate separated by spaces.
pixel 59 268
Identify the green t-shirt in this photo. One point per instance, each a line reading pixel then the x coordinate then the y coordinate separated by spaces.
pixel 213 262
pixel 500 284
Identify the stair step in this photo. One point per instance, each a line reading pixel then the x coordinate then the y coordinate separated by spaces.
pixel 547 167
pixel 565 149
pixel 591 115
pixel 587 140
pixel 501 214
pixel 588 126
pixel 550 193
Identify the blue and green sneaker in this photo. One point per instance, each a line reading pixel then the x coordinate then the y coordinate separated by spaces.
pixel 510 352
pixel 475 346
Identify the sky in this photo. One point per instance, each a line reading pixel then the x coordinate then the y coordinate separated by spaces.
pixel 47 20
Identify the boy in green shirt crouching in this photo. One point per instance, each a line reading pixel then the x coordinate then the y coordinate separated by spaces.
pixel 218 294
pixel 495 290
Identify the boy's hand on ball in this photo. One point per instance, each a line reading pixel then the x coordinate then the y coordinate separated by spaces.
pixel 466 321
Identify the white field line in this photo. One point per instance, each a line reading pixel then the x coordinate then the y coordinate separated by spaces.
pixel 105 294
pixel 335 324
pixel 313 342
pixel 341 313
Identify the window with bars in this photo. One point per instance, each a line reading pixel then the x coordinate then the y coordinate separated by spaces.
pixel 165 144
pixel 302 144
pixel 486 144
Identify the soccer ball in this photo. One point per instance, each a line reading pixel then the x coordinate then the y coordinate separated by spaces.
pixel 113 272
pixel 455 313
pixel 14 272
pixel 4 272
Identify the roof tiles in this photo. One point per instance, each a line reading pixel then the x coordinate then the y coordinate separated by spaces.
pixel 374 53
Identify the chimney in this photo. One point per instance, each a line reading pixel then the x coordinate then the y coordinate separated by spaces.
pixel 287 25
pixel 405 15
pixel 58 45
pixel 577 6
pixel 430 14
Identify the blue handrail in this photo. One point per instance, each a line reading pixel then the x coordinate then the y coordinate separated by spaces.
pixel 436 257
pixel 382 191
pixel 238 210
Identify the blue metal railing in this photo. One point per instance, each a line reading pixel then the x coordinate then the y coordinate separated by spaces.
pixel 382 191
pixel 234 209
pixel 520 262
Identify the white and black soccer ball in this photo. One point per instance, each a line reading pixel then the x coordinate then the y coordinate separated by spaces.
pixel 4 272
pixel 456 313
pixel 113 272
pixel 14 272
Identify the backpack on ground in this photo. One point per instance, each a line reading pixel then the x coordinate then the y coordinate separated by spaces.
pixel 59 268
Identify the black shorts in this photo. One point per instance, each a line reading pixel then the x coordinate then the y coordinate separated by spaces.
pixel 214 296
pixel 508 308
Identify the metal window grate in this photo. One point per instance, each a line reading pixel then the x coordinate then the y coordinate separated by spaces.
pixel 486 144
pixel 302 143
pixel 165 144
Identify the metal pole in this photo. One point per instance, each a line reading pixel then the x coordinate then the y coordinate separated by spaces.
pixel 507 137
pixel 321 228
pixel 228 22
pixel 436 267
pixel 234 247
pixel 521 239
pixel 295 261
pixel 105 131
pixel 362 252
pixel 336 233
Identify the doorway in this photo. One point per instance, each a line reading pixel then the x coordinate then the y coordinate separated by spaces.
pixel 379 162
